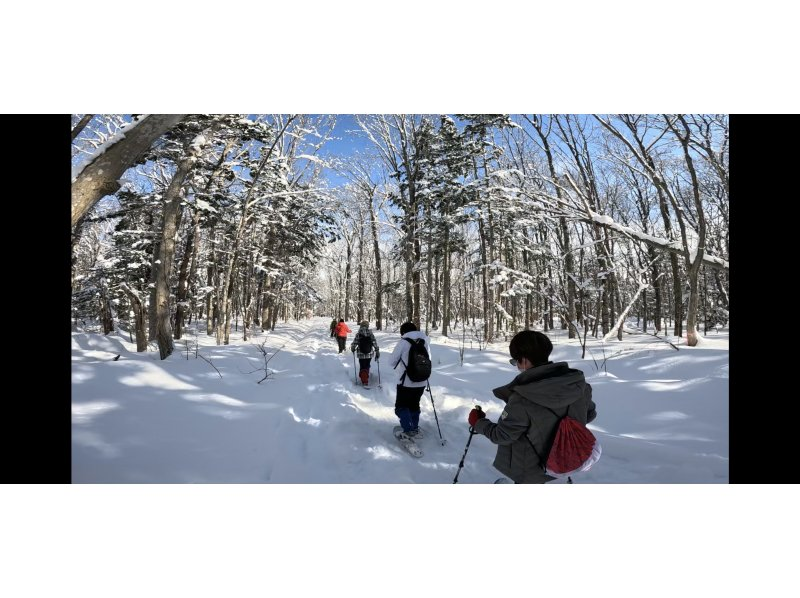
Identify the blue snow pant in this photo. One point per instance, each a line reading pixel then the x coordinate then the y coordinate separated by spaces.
pixel 406 406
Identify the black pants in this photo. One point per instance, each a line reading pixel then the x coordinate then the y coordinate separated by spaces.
pixel 406 406
pixel 408 397
pixel 341 340
pixel 364 363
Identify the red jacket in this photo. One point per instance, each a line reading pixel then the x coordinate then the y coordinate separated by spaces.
pixel 342 329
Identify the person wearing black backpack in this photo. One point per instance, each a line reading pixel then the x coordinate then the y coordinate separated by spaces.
pixel 413 368
pixel 536 400
pixel 364 342
pixel 333 327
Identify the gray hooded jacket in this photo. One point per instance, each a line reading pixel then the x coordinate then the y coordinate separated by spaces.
pixel 554 385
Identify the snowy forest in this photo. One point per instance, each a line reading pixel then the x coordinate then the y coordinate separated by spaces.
pixel 198 240
pixel 472 225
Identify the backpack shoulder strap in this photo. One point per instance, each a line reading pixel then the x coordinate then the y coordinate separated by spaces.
pixel 403 377
pixel 542 462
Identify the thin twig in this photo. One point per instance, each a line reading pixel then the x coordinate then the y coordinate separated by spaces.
pixel 211 364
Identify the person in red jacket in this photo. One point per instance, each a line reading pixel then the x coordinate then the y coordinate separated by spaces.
pixel 341 334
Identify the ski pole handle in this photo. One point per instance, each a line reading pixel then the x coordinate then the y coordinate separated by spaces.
pixel 477 408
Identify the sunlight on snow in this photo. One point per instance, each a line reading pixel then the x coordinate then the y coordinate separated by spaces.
pixel 669 385
pixel 666 436
pixel 78 377
pixel 383 453
pixel 667 415
pixel 225 413
pixel 693 359
pixel 151 375
pixel 310 420
pixel 216 398
pixel 84 413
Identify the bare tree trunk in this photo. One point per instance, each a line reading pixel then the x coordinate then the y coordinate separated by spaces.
pixel 677 295
pixel 409 260
pixel 265 304
pixel 436 294
pixel 189 253
pixel 347 278
pixel 430 315
pixel 209 304
pixel 487 317
pixel 723 294
pixel 378 271
pixel 99 177
pixel 247 302
pixel 259 299
pixel 226 310
pixel 417 319
pixel 360 281
pixel 105 311
pixel 446 289
pixel 152 321
pixel 138 318
pixel 162 266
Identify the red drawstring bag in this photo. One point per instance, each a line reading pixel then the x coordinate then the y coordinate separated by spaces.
pixel 574 449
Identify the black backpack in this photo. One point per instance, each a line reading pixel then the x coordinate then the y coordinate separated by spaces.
pixel 364 344
pixel 418 368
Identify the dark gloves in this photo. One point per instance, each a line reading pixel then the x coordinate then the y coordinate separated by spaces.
pixel 352 349
pixel 377 355
pixel 475 415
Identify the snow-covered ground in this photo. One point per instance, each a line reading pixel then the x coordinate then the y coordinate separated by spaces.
pixel 662 414
pixel 325 500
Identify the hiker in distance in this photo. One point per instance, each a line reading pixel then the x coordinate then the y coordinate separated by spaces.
pixel 409 393
pixel 364 342
pixel 333 327
pixel 527 425
pixel 342 330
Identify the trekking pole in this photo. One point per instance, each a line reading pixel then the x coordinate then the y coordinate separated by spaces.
pixel 466 448
pixel 442 440
pixel 378 361
pixel 355 374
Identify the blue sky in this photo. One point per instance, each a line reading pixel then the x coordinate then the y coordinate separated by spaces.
pixel 347 142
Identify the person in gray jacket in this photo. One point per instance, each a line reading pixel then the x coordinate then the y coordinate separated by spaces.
pixel 526 426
